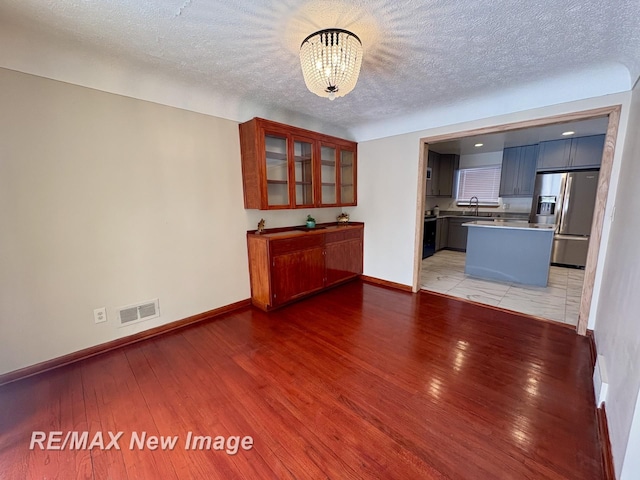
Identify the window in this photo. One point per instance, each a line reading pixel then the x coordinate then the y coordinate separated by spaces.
pixel 482 182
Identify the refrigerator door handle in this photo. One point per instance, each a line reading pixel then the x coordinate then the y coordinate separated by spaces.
pixel 560 204
pixel 565 203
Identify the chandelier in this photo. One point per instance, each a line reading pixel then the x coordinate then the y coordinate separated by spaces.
pixel 331 61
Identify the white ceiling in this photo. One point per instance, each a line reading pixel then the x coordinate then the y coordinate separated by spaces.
pixel 419 55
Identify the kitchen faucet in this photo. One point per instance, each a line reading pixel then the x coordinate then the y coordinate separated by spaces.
pixel 477 203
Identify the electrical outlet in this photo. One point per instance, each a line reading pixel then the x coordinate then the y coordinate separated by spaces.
pixel 100 315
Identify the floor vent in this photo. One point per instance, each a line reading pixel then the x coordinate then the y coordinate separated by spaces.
pixel 137 313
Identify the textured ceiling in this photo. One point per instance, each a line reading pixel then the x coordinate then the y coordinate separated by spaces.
pixel 419 55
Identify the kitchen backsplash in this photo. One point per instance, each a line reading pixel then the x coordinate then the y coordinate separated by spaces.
pixel 511 205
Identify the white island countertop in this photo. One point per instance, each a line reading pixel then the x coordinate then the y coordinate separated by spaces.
pixel 518 225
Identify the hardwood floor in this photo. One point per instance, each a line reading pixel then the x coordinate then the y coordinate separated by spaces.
pixel 358 382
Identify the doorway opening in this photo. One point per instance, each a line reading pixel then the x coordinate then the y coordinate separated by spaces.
pixel 607 119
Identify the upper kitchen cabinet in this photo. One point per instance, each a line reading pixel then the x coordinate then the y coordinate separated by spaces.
pixel 518 171
pixel 442 168
pixel 289 167
pixel 586 152
pixel 571 153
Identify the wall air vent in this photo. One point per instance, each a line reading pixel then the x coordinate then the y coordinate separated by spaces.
pixel 139 312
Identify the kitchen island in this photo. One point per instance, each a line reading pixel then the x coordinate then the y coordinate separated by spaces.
pixel 517 252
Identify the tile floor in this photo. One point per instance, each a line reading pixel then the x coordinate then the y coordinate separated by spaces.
pixel 559 300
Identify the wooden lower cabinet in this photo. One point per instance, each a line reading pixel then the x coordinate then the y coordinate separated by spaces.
pixel 296 274
pixel 285 265
pixel 343 255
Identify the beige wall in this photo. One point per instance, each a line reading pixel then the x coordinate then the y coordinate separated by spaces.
pixel 618 328
pixel 108 201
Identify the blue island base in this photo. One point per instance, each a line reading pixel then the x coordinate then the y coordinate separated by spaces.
pixel 509 254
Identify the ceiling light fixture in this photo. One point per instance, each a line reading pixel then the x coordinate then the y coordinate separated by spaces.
pixel 568 133
pixel 478 144
pixel 331 61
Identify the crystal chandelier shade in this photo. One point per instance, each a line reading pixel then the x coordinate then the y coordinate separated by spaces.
pixel 331 61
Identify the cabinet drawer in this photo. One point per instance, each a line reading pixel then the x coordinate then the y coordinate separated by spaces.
pixel 346 234
pixel 287 245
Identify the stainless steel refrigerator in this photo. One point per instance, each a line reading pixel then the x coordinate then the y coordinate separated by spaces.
pixel 566 200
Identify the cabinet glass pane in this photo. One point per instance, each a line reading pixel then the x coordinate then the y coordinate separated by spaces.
pixel 346 177
pixel 277 171
pixel 328 175
pixel 302 153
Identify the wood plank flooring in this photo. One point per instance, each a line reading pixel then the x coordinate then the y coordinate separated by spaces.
pixel 359 382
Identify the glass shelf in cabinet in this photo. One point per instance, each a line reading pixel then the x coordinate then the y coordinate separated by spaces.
pixel 276 155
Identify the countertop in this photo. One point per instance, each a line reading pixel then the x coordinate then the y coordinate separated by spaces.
pixel 486 217
pixel 518 225
pixel 300 230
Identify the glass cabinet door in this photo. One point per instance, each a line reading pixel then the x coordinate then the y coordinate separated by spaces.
pixel 347 177
pixel 303 167
pixel 277 170
pixel 328 164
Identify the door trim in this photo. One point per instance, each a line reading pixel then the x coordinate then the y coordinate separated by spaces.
pixel 613 112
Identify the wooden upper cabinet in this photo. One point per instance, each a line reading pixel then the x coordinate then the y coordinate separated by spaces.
pixel 347 175
pixel 328 175
pixel 276 147
pixel 303 165
pixel 289 167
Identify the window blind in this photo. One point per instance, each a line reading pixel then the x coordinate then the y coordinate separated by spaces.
pixel 482 182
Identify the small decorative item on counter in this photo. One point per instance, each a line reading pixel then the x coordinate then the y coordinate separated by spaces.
pixel 436 210
pixel 261 226
pixel 343 218
pixel 311 222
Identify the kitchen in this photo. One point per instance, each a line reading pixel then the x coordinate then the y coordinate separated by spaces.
pixel 489 196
